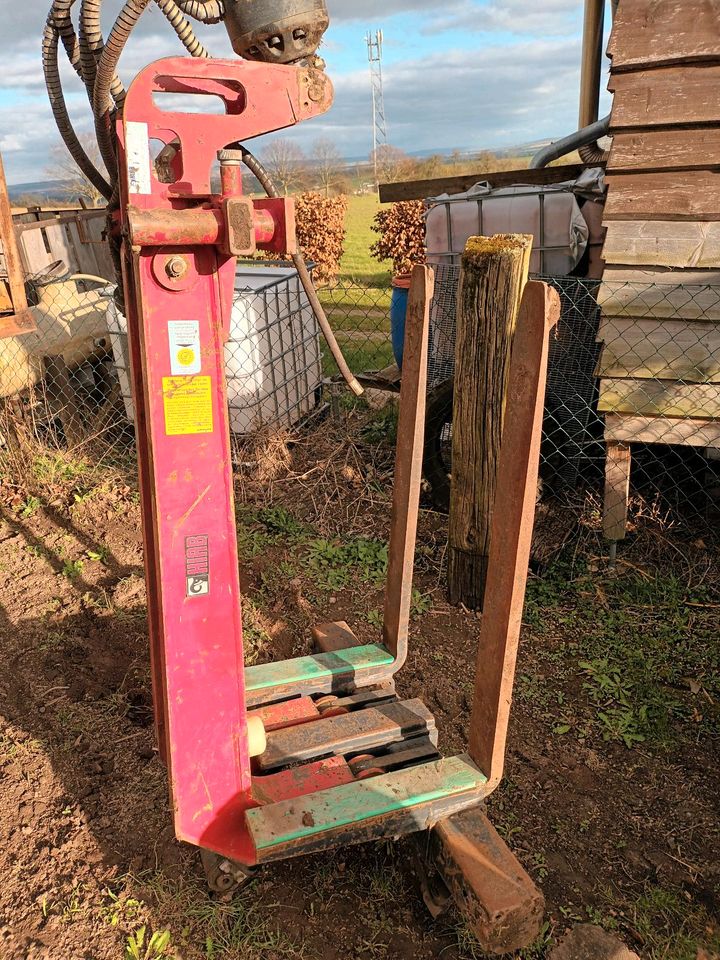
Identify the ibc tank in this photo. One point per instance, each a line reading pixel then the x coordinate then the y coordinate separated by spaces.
pixel 562 229
pixel 272 357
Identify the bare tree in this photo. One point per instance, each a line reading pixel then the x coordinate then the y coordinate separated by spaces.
pixel 327 162
pixel 286 162
pixel 392 163
pixel 489 162
pixel 75 185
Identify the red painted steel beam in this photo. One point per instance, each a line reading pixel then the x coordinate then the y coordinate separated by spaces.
pixel 179 246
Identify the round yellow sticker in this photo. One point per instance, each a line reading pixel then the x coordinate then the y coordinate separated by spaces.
pixel 186 356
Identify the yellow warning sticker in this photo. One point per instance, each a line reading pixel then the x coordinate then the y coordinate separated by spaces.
pixel 188 405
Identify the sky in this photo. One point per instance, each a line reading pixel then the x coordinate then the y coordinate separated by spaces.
pixel 464 74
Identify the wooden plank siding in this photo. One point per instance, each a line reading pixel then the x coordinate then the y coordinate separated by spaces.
pixel 663 150
pixel 659 398
pixel 659 367
pixel 422 189
pixel 660 349
pixel 665 195
pixel 665 97
pixel 651 32
pixel 627 291
pixel 681 432
pixel 662 243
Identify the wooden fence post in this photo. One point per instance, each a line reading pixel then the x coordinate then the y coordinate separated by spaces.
pixel 494 274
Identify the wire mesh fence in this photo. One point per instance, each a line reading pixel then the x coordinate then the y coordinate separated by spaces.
pixel 69 381
pixel 632 367
pixel 633 394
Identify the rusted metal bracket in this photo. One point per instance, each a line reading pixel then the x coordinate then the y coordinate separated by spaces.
pixel 348 733
pixel 511 530
pixel 501 904
pixel 408 466
pixel 335 635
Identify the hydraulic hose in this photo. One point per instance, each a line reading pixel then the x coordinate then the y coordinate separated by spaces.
pixel 60 13
pixel 91 48
pixel 210 11
pixel 91 42
pixel 57 103
pixel 106 69
pixel 263 177
pixel 173 12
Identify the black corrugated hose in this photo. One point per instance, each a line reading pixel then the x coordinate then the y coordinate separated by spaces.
pixel 210 11
pixel 50 42
pixel 173 12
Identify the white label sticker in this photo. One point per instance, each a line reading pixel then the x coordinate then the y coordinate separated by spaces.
pixel 137 149
pixel 184 338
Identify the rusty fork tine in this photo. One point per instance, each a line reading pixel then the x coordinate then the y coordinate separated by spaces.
pixel 408 465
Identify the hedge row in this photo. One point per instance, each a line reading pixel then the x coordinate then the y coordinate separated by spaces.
pixel 320 225
pixel 402 235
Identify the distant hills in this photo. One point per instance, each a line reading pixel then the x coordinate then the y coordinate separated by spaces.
pixel 54 191
pixel 60 191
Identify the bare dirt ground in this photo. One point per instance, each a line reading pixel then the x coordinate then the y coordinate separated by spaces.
pixel 611 794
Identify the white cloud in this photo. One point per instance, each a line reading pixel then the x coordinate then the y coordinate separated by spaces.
pixel 495 95
pixel 527 17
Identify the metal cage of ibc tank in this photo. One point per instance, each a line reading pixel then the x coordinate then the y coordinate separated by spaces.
pixel 273 362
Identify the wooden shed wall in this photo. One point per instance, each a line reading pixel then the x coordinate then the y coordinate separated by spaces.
pixel 661 324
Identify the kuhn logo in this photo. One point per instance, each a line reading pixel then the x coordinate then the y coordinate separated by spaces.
pixel 197 566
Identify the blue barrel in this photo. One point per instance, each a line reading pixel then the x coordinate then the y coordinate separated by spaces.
pixel 398 309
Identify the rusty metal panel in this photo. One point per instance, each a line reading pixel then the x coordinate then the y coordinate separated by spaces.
pixel 355 732
pixel 335 635
pixel 300 781
pixel 288 713
pixel 511 529
pixel 390 805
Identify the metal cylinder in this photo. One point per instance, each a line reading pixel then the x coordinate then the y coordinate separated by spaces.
pixel 276 31
pixel 592 52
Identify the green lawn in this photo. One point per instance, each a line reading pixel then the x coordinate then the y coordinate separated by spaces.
pixel 357 264
pixel 359 306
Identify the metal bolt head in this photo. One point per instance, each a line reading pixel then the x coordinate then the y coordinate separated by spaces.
pixel 176 267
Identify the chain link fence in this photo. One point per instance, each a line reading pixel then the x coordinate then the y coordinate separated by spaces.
pixel 633 395
pixel 68 383
pixel 634 369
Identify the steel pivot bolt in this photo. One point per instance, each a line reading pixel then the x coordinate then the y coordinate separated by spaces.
pixel 176 267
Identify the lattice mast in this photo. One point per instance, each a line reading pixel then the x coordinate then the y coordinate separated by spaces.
pixel 374 45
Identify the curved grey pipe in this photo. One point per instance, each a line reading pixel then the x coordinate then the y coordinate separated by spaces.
pixel 560 148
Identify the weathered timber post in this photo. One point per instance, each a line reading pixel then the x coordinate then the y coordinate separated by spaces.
pixel 494 274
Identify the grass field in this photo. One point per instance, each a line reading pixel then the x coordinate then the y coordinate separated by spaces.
pixel 359 306
pixel 357 264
